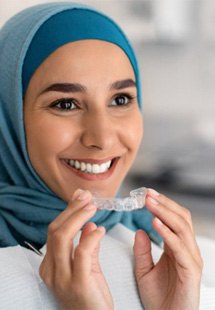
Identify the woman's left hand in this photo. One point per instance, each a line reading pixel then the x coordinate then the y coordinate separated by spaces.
pixel 174 282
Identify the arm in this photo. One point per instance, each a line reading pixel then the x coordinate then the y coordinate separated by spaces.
pixel 74 274
pixel 174 282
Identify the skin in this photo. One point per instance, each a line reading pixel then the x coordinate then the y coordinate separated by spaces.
pixel 95 129
pixel 74 274
pixel 174 282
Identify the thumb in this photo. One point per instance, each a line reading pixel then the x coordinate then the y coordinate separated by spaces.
pixel 142 255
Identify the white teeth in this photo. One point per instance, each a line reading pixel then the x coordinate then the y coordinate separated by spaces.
pixel 83 166
pixel 103 167
pixel 77 164
pixel 108 163
pixel 96 168
pixel 88 167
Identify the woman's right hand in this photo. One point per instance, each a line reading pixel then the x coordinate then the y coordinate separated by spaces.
pixel 74 274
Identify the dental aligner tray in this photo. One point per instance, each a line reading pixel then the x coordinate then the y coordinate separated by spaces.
pixel 134 202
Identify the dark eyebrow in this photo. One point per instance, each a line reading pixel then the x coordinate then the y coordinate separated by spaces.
pixel 65 88
pixel 123 84
pixel 76 87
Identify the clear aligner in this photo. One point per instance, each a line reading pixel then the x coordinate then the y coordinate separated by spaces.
pixel 135 201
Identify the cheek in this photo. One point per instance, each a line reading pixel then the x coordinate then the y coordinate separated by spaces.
pixel 133 132
pixel 53 136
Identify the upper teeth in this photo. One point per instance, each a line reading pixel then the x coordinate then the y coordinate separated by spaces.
pixel 88 167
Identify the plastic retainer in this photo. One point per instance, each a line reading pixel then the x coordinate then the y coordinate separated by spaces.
pixel 135 201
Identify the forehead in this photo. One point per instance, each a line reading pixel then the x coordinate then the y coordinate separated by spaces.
pixel 86 57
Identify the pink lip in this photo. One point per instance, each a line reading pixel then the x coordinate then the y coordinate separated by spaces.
pixel 93 177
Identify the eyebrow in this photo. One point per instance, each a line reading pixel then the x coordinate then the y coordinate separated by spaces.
pixel 123 84
pixel 65 88
pixel 76 87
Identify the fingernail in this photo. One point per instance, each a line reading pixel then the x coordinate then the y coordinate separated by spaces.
pixel 153 192
pixel 153 201
pixel 158 221
pixel 80 194
pixel 84 195
pixel 101 228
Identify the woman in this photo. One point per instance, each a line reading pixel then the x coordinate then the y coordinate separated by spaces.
pixel 71 125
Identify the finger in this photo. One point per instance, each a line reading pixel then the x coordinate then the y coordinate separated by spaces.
pixel 84 255
pixel 79 199
pixel 182 254
pixel 172 217
pixel 66 232
pixel 87 229
pixel 61 240
pixel 142 255
pixel 171 205
pixel 176 223
pixel 46 270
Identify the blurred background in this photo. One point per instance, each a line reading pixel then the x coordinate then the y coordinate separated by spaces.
pixel 175 45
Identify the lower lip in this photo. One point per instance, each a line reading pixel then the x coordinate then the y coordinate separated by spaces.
pixel 91 176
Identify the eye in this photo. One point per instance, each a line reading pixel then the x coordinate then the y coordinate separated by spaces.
pixel 121 100
pixel 65 104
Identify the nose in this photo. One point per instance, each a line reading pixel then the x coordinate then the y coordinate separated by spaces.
pixel 100 131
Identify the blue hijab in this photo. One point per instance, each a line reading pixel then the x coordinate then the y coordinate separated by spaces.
pixel 27 205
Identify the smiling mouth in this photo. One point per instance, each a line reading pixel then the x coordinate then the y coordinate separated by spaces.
pixel 90 168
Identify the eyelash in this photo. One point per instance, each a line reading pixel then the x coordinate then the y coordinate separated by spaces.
pixel 129 98
pixel 65 101
pixel 56 104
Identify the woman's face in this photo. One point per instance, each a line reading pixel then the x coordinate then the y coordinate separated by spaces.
pixel 82 121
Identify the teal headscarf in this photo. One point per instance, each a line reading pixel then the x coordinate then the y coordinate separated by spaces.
pixel 27 205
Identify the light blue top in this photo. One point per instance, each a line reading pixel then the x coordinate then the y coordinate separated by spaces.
pixel 27 205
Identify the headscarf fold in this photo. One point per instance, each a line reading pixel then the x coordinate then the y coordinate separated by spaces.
pixel 27 205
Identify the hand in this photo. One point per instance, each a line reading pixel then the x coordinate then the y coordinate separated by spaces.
pixel 74 274
pixel 174 282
